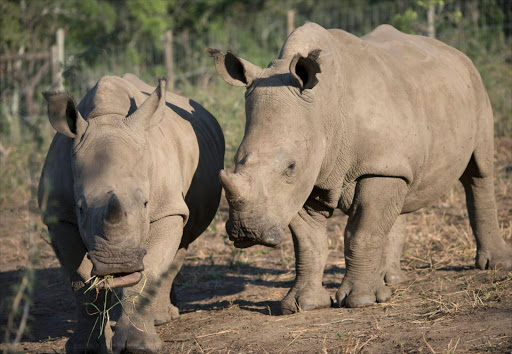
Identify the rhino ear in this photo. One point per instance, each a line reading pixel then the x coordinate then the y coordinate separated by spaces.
pixel 234 70
pixel 151 111
pixel 63 115
pixel 304 70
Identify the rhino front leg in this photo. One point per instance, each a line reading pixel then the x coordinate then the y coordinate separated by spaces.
pixel 71 252
pixel 310 244
pixel 393 251
pixel 135 326
pixel 165 307
pixel 377 203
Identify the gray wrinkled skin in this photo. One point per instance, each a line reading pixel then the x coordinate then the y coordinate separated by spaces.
pixel 130 180
pixel 378 127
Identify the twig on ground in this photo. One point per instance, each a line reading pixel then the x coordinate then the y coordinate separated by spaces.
pixel 293 340
pixel 428 345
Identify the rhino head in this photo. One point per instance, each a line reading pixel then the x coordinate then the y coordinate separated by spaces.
pixel 111 171
pixel 279 159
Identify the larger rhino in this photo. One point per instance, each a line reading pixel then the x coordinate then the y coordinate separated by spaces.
pixel 130 180
pixel 377 126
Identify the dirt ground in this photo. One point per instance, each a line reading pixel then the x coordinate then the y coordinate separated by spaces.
pixel 228 298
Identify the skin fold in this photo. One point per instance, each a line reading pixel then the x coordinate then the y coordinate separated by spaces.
pixel 377 126
pixel 130 180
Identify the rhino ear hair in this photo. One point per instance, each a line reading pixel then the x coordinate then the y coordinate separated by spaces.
pixel 304 70
pixel 151 111
pixel 233 69
pixel 63 114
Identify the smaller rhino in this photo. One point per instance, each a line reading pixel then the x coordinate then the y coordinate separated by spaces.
pixel 130 180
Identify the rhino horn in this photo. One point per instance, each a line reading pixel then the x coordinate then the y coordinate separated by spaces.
pixel 151 111
pixel 235 185
pixel 114 211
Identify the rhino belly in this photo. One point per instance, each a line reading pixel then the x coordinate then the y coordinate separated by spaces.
pixel 437 177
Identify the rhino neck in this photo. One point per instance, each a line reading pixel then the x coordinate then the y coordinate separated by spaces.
pixel 335 100
pixel 340 52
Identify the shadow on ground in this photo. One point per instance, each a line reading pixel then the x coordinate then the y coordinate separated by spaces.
pixel 52 308
pixel 52 311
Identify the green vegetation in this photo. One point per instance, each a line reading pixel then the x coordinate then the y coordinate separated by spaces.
pixel 112 37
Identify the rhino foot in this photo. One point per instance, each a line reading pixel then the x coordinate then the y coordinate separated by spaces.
pixel 85 337
pixel 499 259
pixel 80 343
pixel 394 276
pixel 305 299
pixel 135 336
pixel 167 314
pixel 353 294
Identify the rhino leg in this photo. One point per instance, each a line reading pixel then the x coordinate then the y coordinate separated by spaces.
pixel 135 325
pixel 492 250
pixel 377 204
pixel 165 307
pixel 393 251
pixel 71 252
pixel 310 243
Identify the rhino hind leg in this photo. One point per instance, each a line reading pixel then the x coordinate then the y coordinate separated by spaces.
pixel 478 180
pixel 310 243
pixel 393 251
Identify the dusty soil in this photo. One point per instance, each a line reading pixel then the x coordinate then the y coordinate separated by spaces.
pixel 228 298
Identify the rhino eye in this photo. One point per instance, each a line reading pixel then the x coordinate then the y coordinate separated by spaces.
pixel 290 169
pixel 146 204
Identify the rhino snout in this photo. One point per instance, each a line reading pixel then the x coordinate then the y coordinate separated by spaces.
pixel 244 236
pixel 109 261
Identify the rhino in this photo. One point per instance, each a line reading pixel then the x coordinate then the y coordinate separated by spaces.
pixel 377 126
pixel 130 180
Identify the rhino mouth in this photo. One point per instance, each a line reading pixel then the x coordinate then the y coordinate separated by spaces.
pixel 119 281
pixel 244 243
pixel 114 262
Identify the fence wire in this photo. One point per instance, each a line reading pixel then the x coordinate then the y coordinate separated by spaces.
pixel 486 42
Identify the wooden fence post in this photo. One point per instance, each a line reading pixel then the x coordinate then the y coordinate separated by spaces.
pixel 431 15
pixel 290 20
pixel 54 66
pixel 169 64
pixel 58 61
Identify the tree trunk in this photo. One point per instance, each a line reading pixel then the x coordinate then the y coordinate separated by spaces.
pixel 15 119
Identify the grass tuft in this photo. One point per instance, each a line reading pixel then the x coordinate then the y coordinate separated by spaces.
pixel 103 313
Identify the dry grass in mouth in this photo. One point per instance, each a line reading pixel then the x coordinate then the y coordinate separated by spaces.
pixel 103 313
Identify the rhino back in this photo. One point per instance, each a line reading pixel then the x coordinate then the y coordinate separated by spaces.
pixel 411 107
pixel 424 111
